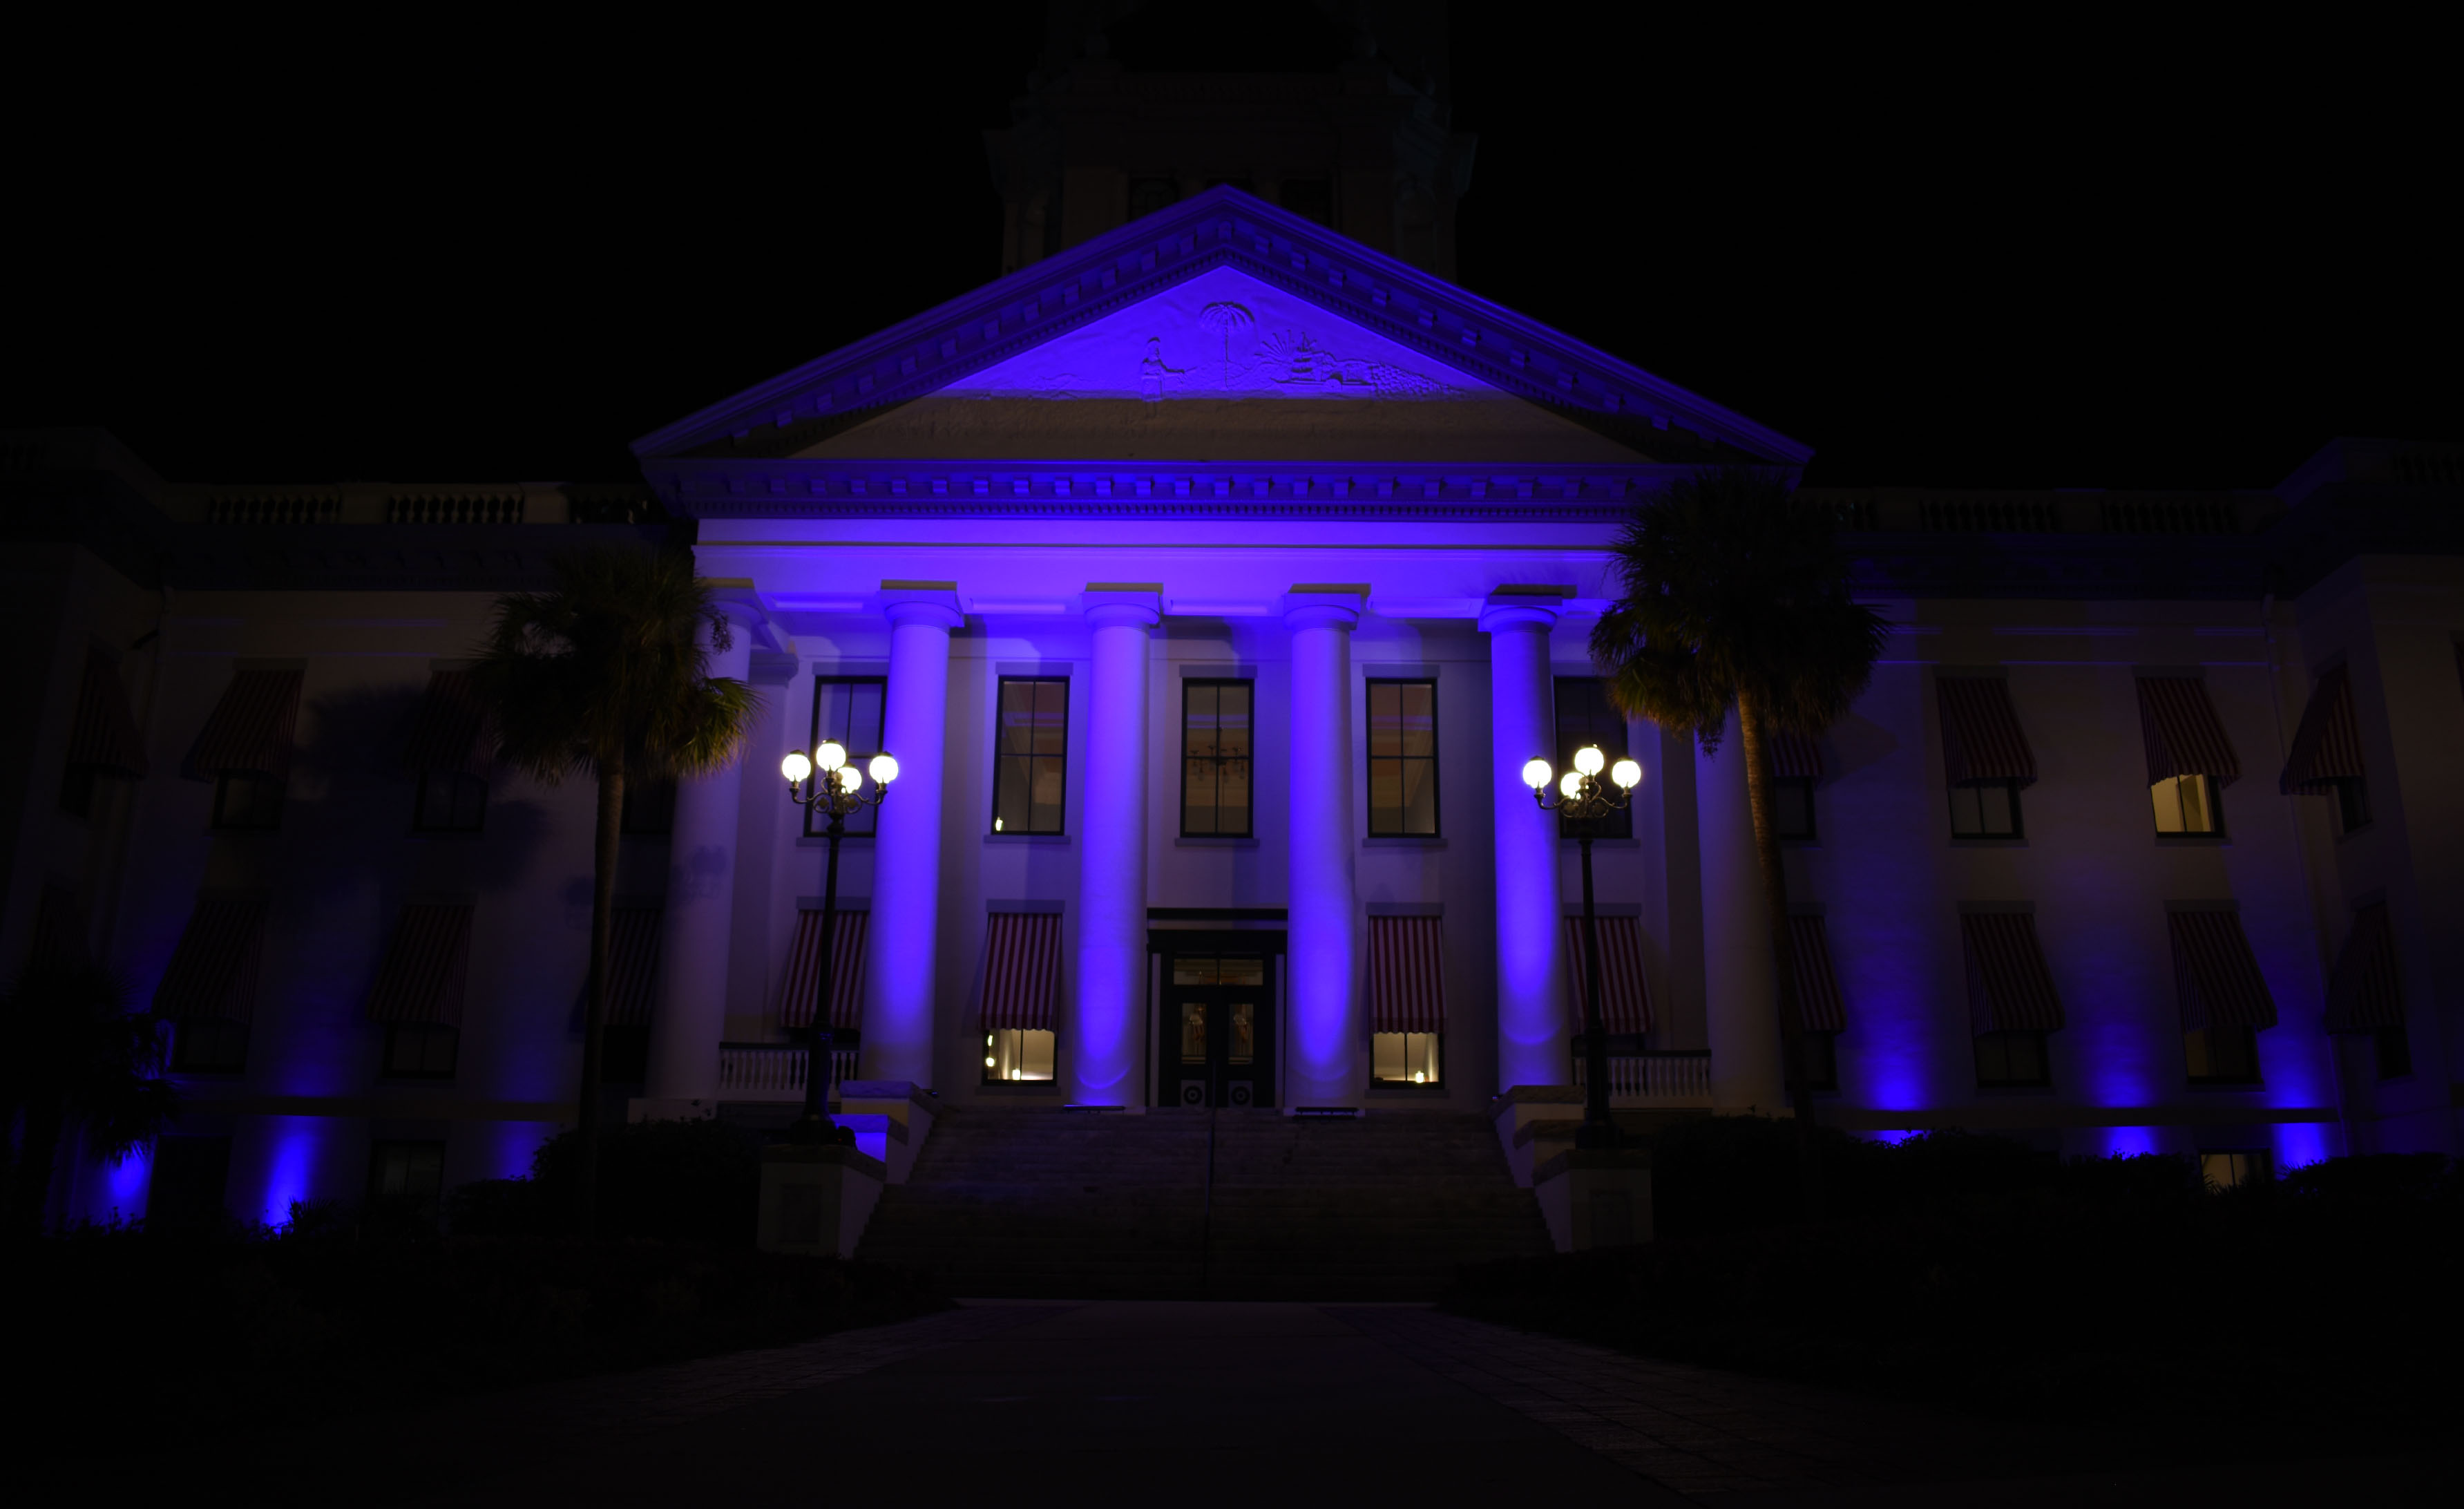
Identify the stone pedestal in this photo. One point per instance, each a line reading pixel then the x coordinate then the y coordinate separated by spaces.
pixel 1595 1198
pixel 908 1112
pixel 1518 1109
pixel 815 1201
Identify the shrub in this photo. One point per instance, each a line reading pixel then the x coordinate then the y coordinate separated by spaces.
pixel 693 1181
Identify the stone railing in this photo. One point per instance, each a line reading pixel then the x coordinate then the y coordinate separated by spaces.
pixel 1672 1077
pixel 772 1071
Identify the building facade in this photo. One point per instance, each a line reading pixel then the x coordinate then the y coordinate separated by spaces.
pixel 1211 580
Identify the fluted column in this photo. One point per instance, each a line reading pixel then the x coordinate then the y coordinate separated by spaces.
pixel 1111 1002
pixel 902 943
pixel 1740 978
pixel 690 1014
pixel 1532 1032
pixel 1324 1011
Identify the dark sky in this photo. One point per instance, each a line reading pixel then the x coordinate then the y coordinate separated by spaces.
pixel 2123 258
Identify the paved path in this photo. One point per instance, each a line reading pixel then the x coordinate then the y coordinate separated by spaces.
pixel 1189 1402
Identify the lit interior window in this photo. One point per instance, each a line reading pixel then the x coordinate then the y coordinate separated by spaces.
pixel 1404 1057
pixel 1019 1053
pixel 2185 804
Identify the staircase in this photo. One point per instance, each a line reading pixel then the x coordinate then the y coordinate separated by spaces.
pixel 1044 1203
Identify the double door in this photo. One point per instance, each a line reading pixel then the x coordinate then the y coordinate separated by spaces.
pixel 1217 1028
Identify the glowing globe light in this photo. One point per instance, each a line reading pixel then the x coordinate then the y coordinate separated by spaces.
pixel 1572 787
pixel 1536 773
pixel 1589 760
pixel 795 767
pixel 885 769
pixel 850 778
pixel 832 755
pixel 1627 774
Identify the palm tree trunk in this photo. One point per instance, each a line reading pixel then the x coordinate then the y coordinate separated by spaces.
pixel 1752 734
pixel 594 1017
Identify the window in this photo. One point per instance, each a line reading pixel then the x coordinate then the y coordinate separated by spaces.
pixel 2187 804
pixel 1402 758
pixel 449 802
pixel 1215 758
pixel 2394 1050
pixel 650 808
pixel 1819 1059
pixel 2352 804
pixel 847 709
pixel 246 803
pixel 2010 1058
pixel 1793 807
pixel 2232 1168
pixel 1404 1057
pixel 2222 1054
pixel 419 1049
pixel 1021 1054
pixel 406 1172
pixel 191 1175
pixel 1985 810
pixel 1584 717
pixel 1033 757
pixel 1147 195
pixel 1311 198
pixel 209 1045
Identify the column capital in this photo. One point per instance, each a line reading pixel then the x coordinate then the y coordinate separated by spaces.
pixel 934 603
pixel 1308 606
pixel 1139 604
pixel 1522 607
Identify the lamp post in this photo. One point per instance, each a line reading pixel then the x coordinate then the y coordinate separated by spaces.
pixel 1582 799
pixel 838 793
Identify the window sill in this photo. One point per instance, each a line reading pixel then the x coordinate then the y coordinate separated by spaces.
pixel 1958 842
pixel 1406 1092
pixel 1055 840
pixel 822 840
pixel 1051 1087
pixel 2192 840
pixel 1403 841
pixel 1605 843
pixel 1213 841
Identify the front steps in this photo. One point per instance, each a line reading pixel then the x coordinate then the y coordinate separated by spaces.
pixel 1043 1202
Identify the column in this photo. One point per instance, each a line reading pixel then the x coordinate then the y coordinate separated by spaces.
pixel 1110 1004
pixel 1532 1046
pixel 1740 978
pixel 1326 1011
pixel 902 944
pixel 689 1015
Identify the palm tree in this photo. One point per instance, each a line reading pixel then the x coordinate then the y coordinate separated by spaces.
pixel 606 676
pixel 77 1058
pixel 1733 593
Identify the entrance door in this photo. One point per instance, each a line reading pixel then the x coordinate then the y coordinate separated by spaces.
pixel 1219 1013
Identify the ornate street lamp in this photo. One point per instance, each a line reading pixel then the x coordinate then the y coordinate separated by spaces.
pixel 839 793
pixel 1583 800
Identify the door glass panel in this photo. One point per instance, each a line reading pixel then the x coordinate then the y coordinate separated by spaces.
pixel 1194 970
pixel 1239 970
pixel 1193 1033
pixel 1244 1032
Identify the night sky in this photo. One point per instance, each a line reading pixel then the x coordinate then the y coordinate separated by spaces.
pixel 2117 258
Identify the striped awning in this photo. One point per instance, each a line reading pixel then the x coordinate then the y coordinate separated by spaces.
pixel 1981 739
pixel 1022 970
pixel 426 969
pixel 250 731
pixel 2366 992
pixel 2327 747
pixel 2215 978
pixel 803 974
pixel 447 734
pixel 2009 988
pixel 632 965
pixel 213 970
pixel 1626 1005
pixel 1818 1006
pixel 1795 757
pixel 105 735
pixel 2182 732
pixel 1407 975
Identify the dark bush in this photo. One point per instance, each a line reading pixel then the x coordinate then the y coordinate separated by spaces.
pixel 697 1181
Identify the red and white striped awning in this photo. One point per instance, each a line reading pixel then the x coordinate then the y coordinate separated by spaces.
pixel 105 735
pixel 2366 992
pixel 249 730
pixel 1795 757
pixel 447 734
pixel 2009 988
pixel 1981 739
pixel 1819 1008
pixel 1407 975
pixel 213 970
pixel 2327 747
pixel 1022 970
pixel 803 979
pixel 2215 977
pixel 427 969
pixel 632 965
pixel 2182 732
pixel 1625 1004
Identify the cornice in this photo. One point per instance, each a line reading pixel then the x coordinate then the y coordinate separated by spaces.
pixel 1222 227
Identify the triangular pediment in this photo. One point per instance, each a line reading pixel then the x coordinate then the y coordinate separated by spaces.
pixel 1222 328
